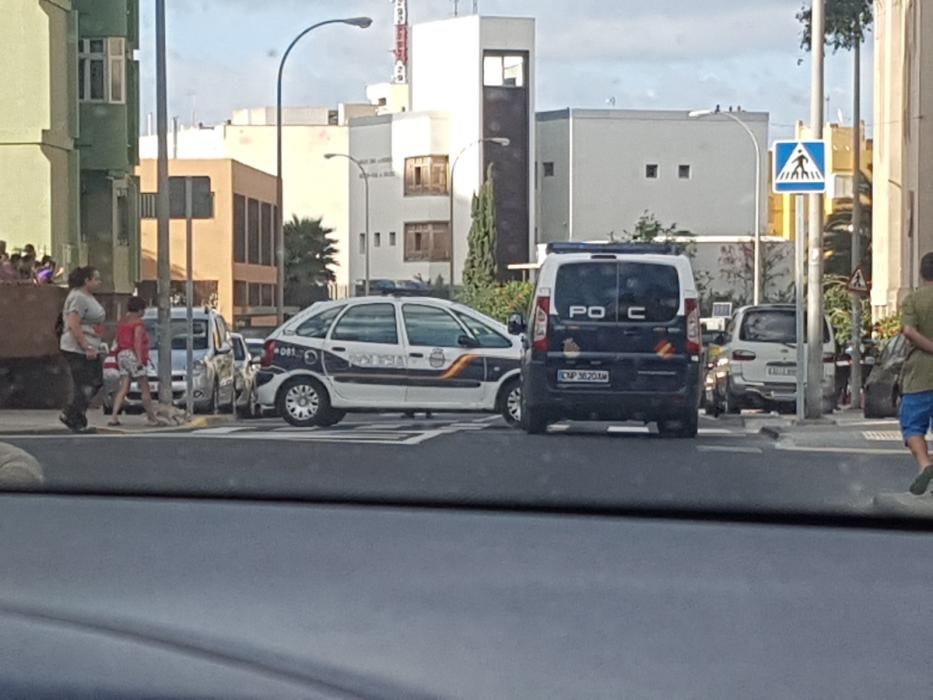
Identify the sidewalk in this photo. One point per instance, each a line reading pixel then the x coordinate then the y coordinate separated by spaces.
pixel 25 422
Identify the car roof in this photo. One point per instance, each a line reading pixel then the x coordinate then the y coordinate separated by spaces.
pixel 181 312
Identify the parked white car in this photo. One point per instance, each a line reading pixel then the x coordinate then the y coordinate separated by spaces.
pixel 757 367
pixel 389 353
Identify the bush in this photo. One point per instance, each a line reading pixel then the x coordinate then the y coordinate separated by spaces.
pixel 499 301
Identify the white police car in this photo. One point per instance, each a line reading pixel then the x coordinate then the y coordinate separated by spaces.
pixel 389 353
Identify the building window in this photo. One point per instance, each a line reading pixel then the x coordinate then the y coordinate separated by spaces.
pixel 240 297
pixel 362 244
pixel 239 228
pixel 265 252
pixel 427 241
pixel 683 172
pixel 651 171
pixel 252 231
pixel 503 70
pixel 102 70
pixel 123 219
pixel 548 169
pixel 377 239
pixel 426 175
pixel 392 238
pixel 268 293
pixel 147 205
pixel 255 298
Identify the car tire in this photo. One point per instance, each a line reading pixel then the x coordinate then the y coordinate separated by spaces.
pixel 685 427
pixel 213 404
pixel 729 405
pixel 534 421
pixel 877 406
pixel 333 416
pixel 249 409
pixel 510 402
pixel 303 402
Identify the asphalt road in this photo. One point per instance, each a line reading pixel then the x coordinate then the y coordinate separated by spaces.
pixel 477 459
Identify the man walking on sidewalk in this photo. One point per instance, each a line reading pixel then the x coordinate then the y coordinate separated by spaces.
pixel 917 382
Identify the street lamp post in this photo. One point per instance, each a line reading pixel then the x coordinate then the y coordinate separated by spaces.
pixel 362 23
pixel 499 141
pixel 756 292
pixel 366 224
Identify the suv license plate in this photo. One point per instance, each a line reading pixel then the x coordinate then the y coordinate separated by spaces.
pixel 583 376
pixel 782 371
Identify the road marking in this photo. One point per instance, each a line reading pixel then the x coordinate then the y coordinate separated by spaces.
pixel 226 430
pixel 730 448
pixel 841 450
pixel 883 436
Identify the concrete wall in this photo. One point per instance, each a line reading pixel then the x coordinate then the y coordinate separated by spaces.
pixel 903 157
pixel 609 190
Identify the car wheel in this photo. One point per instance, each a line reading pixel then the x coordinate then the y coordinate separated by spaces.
pixel 332 417
pixel 510 402
pixel 534 421
pixel 213 405
pixel 248 409
pixel 729 404
pixel 303 402
pixel 685 427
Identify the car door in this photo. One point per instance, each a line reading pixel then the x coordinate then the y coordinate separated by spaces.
pixel 224 361
pixel 501 353
pixel 364 357
pixel 442 372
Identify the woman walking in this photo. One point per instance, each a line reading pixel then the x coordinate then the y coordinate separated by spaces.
pixel 80 344
pixel 132 358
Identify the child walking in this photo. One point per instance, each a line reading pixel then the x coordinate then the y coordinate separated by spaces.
pixel 132 357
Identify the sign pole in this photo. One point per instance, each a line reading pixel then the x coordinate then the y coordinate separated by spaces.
pixel 799 264
pixel 189 303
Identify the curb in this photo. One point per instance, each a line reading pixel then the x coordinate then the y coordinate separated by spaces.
pixel 197 423
pixel 904 504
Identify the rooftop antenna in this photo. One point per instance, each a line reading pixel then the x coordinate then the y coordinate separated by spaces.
pixel 475 7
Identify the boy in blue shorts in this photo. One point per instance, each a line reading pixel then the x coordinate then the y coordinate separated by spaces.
pixel 917 378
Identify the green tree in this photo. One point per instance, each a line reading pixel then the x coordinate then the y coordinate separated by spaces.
pixel 847 23
pixel 479 268
pixel 310 256
pixel 737 267
pixel 648 230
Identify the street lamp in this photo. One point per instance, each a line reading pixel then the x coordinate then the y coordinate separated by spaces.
pixel 499 141
pixel 367 247
pixel 756 295
pixel 362 23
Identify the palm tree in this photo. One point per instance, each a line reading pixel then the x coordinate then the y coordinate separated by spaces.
pixel 310 256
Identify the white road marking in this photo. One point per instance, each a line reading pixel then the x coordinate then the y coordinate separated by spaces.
pixel 882 436
pixel 841 450
pixel 226 430
pixel 730 448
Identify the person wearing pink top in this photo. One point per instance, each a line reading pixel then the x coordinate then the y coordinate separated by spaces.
pixel 132 354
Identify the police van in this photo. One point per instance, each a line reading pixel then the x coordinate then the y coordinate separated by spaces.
pixel 614 334
pixel 389 353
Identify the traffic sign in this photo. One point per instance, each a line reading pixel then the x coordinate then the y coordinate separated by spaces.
pixel 858 283
pixel 799 167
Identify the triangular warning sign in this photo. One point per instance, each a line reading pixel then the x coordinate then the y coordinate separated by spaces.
pixel 800 167
pixel 857 282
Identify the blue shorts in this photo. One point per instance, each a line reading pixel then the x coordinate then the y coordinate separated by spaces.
pixel 916 414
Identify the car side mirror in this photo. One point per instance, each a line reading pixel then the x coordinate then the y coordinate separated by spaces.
pixel 465 341
pixel 721 339
pixel 517 324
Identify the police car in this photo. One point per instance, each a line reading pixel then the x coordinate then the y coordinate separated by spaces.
pixel 389 353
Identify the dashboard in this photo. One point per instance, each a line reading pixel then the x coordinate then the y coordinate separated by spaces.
pixel 109 597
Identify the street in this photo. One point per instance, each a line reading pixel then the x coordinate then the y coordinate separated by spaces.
pixel 477 459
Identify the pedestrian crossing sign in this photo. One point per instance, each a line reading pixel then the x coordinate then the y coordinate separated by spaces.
pixel 799 167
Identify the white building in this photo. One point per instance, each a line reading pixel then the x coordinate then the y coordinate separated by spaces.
pixel 600 170
pixel 312 186
pixel 471 78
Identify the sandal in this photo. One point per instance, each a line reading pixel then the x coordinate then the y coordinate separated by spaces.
pixel 114 424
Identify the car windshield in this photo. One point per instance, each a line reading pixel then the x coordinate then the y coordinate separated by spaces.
pixel 179 334
pixel 485 254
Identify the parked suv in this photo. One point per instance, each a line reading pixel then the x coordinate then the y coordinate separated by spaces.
pixel 614 334
pixel 214 372
pixel 758 364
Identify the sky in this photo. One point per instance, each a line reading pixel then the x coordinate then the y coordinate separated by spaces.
pixel 643 54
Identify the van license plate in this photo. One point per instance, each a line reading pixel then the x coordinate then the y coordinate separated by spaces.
pixel 782 371
pixel 582 376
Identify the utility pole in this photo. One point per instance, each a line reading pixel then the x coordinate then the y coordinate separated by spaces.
pixel 815 251
pixel 164 268
pixel 856 373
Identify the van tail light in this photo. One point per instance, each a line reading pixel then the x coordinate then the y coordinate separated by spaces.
pixel 743 356
pixel 268 354
pixel 694 332
pixel 829 357
pixel 539 324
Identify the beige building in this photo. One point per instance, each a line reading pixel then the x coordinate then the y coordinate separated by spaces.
pixel 233 256
pixel 312 186
pixel 903 134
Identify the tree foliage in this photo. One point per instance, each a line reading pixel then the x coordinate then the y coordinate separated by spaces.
pixel 737 267
pixel 838 305
pixel 499 301
pixel 847 23
pixel 479 268
pixel 648 230
pixel 310 256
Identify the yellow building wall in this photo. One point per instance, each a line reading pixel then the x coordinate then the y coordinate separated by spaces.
pixel 38 122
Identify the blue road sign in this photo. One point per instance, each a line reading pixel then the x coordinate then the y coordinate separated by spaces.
pixel 799 167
